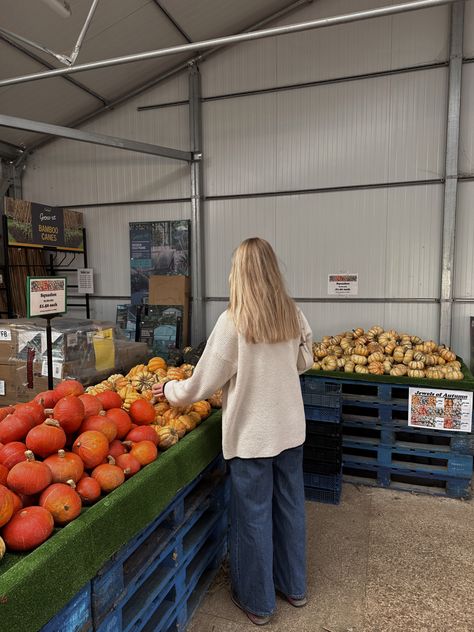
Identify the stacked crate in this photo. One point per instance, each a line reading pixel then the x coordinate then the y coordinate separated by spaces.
pixel 322 451
pixel 157 580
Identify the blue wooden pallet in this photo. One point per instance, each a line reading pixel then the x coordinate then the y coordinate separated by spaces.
pixel 361 474
pixel 76 616
pixel 156 547
pixel 169 580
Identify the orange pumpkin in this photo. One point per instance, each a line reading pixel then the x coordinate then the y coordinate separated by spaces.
pixel 203 408
pixel 179 426
pixel 175 373
pixel 189 422
pixel 157 363
pixel 142 412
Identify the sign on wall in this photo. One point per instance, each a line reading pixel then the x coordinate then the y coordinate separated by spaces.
pixel 45 296
pixel 343 284
pixel 36 225
pixel 440 410
pixel 85 281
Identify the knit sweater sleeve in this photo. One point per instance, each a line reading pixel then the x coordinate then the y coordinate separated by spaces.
pixel 307 334
pixel 215 368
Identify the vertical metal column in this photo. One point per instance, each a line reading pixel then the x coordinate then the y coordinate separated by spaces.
pixel 198 320
pixel 451 172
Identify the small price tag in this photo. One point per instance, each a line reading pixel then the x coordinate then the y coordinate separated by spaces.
pixel 72 340
pixel 57 369
pixel 2 387
pixel 5 333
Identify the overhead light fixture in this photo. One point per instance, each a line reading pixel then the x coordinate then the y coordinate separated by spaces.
pixel 61 7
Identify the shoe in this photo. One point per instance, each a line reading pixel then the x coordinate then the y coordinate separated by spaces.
pixel 297 603
pixel 254 618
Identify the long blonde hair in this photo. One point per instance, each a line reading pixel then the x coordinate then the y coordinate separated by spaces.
pixel 259 303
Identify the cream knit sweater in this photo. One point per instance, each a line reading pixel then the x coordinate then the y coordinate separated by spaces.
pixel 262 409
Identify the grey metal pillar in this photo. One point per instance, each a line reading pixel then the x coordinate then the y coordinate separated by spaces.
pixel 451 172
pixel 11 176
pixel 198 320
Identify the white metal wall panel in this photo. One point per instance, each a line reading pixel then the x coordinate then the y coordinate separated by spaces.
pixel 461 342
pixel 469 29
pixel 466 138
pixel 370 131
pixel 464 252
pixel 227 224
pixel 67 172
pixel 416 38
pixel 240 137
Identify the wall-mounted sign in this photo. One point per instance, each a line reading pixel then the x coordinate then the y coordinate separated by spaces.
pixel 343 284
pixel 85 281
pixel 440 410
pixel 36 225
pixel 45 296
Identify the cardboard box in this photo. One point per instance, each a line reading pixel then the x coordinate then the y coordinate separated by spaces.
pixel 172 290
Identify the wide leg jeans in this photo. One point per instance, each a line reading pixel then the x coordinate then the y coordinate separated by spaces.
pixel 267 530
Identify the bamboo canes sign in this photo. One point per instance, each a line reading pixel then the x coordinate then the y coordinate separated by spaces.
pixel 39 226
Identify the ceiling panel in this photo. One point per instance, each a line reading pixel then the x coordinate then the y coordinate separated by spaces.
pixel 213 18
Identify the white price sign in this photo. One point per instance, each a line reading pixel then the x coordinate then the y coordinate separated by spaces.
pixel 343 284
pixel 46 295
pixel 85 281
pixel 5 334
pixel 2 387
pixel 57 369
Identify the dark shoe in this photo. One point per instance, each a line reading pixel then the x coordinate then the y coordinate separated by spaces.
pixel 254 618
pixel 297 603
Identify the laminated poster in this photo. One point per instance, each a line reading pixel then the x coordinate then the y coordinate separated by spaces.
pixel 438 409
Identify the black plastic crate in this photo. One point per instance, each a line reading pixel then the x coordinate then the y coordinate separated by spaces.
pixel 320 467
pixel 323 429
pixel 323 443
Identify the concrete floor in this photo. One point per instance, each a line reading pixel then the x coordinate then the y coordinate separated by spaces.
pixel 381 561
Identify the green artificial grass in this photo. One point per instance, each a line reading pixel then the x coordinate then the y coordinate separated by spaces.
pixel 467 384
pixel 35 586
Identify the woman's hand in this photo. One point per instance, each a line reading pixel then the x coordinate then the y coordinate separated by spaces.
pixel 157 390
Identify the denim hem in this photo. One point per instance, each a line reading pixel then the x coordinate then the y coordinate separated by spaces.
pixel 285 594
pixel 244 607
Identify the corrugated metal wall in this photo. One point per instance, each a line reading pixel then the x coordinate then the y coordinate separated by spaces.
pixel 288 145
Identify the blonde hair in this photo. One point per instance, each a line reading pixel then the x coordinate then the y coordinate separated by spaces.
pixel 259 303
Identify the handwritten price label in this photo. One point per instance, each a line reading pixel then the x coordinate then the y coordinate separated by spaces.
pixel 5 334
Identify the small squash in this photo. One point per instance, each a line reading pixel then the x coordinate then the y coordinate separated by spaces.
pixel 167 437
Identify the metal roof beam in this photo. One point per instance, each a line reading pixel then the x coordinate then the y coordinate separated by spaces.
pixel 234 39
pixel 174 22
pixel 46 64
pixel 10 152
pixel 94 138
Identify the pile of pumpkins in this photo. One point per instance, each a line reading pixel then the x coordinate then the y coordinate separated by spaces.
pixel 68 447
pixel 380 352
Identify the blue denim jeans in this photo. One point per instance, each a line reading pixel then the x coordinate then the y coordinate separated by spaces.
pixel 267 530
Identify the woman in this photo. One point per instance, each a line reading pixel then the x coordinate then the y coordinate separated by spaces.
pixel 252 353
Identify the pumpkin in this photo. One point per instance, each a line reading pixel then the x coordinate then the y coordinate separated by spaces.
pixel 145 452
pixel 69 411
pixel 8 410
pixel 345 343
pixel 376 357
pixel 316 366
pixel 89 490
pixel 390 347
pixel 69 387
pixel 376 330
pixel 398 354
pixel 175 373
pixel 387 366
pixel 128 395
pixel 416 365
pixel 6 505
pixel 156 363
pixel 416 373
pixel 121 382
pixel 114 378
pixel 3 548
pixel 65 466
pixel 408 357
pixel 189 422
pixel 109 476
pixel 203 408
pixel 143 381
pixel 46 439
pixel 160 408
pixel 92 446
pixel 320 351
pixel 399 370
pixel 454 374
pixel 161 374
pixel 129 464
pixel 142 433
pixel 361 350
pixel 447 355
pixel 102 424
pixel 358 359
pixel 110 399
pixel 12 453
pixel 62 501
pixel 341 362
pixel 349 367
pixel 17 502
pixel 358 332
pixel 3 475
pixel 439 359
pixel 359 368
pixel 187 369
pixel 116 448
pixel 34 411
pixel 179 426
pixel 121 420
pixel 329 363
pixel 142 412
pixel 216 400
pixel 92 405
pixel 430 359
pixel 14 428
pixel 28 528
pixel 167 437
pixel 29 477
pixel 376 368
pixel 361 340
pixel 434 374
